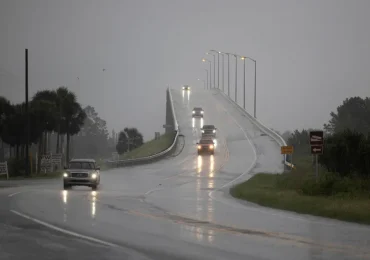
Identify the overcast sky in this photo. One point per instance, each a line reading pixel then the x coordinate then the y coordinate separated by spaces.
pixel 311 54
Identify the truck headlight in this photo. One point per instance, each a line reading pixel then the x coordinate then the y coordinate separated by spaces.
pixel 65 175
pixel 193 112
pixel 201 112
pixel 199 147
pixel 211 147
pixel 214 131
pixel 202 131
pixel 94 175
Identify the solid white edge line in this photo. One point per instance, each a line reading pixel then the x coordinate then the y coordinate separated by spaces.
pixel 71 233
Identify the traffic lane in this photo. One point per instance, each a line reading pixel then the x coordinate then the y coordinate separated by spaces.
pixel 269 159
pixel 268 155
pixel 22 239
pixel 141 227
pixel 210 174
pixel 134 225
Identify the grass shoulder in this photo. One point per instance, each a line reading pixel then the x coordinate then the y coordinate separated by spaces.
pixel 151 147
pixel 48 175
pixel 333 197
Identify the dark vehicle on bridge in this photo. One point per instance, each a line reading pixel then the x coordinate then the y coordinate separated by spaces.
pixel 81 172
pixel 186 87
pixel 209 130
pixel 206 145
pixel 198 112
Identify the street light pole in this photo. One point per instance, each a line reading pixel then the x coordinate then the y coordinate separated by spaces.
pixel 228 74
pixel 218 70
pixel 27 116
pixel 214 68
pixel 255 89
pixel 204 83
pixel 210 71
pixel 255 86
pixel 243 58
pixel 236 78
pixel 207 78
pixel 223 65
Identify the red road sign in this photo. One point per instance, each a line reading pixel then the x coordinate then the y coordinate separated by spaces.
pixel 316 138
pixel 317 149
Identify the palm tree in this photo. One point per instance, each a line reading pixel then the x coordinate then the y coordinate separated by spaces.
pixel 73 119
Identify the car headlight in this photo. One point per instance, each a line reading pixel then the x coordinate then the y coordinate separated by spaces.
pixel 94 175
pixel 183 88
pixel 65 175
pixel 193 112
pixel 199 147
pixel 202 131
pixel 214 131
pixel 211 147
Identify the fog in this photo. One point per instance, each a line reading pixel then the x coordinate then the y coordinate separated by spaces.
pixel 119 56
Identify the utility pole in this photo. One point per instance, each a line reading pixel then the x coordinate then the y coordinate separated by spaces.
pixel 27 116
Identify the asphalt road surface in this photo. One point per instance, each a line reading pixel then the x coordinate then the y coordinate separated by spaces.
pixel 178 208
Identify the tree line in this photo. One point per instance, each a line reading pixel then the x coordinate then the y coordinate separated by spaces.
pixel 346 139
pixel 128 139
pixel 57 114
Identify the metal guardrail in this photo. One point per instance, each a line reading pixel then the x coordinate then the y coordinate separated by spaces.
pixel 280 140
pixel 157 156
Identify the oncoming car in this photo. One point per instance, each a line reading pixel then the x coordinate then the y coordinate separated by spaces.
pixel 206 145
pixel 81 172
pixel 197 112
pixel 186 87
pixel 209 130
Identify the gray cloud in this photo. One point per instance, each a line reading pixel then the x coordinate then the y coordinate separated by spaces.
pixel 311 54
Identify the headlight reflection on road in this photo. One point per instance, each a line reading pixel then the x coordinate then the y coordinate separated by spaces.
pixel 65 196
pixel 193 122
pixel 201 122
pixel 93 203
pixel 199 164
pixel 188 95
pixel 65 200
pixel 211 166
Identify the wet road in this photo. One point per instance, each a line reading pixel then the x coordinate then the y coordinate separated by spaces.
pixel 179 208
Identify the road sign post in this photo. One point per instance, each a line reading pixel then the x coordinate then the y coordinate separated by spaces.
pixel 317 143
pixel 288 150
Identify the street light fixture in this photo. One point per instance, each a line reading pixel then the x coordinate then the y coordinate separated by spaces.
pixel 210 71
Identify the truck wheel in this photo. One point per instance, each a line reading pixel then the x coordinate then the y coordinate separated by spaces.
pixel 66 186
pixel 94 187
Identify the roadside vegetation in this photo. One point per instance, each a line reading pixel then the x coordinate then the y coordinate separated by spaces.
pixel 58 125
pixel 342 190
pixel 152 147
